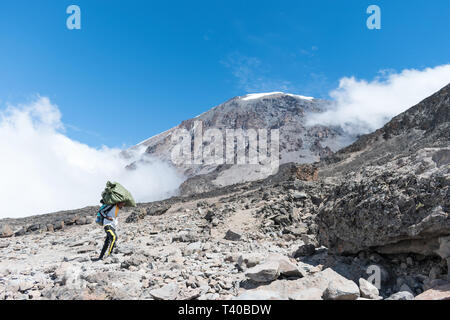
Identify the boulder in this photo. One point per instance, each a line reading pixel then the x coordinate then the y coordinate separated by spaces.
pixel 232 236
pixel 441 292
pixel 265 272
pixel 311 287
pixel 80 221
pixel 382 211
pixel 368 290
pixel 286 267
pixel 304 250
pixel 299 195
pixel 6 231
pixel 158 210
pixel 341 288
pixel 136 215
pixel 22 231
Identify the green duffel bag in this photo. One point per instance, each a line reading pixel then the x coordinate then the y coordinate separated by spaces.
pixel 115 193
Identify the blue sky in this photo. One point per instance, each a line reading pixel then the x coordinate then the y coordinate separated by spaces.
pixel 137 68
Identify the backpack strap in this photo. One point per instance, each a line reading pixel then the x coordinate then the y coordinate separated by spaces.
pixel 105 209
pixel 117 210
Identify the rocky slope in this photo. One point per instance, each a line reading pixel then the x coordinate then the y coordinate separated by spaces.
pixel 392 188
pixel 369 222
pixel 250 242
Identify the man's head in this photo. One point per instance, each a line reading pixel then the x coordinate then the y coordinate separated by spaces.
pixel 121 205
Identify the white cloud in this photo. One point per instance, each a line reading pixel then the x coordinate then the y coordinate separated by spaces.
pixel 42 170
pixel 362 106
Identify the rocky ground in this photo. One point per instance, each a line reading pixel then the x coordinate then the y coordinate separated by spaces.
pixel 251 243
pixel 369 222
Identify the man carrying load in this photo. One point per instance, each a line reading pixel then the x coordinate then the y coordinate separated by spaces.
pixel 114 198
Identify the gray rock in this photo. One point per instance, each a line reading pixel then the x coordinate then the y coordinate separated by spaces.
pixel 80 220
pixel 341 288
pixel 185 236
pixel 193 247
pixel 285 267
pixel 232 236
pixel 368 290
pixel 299 195
pixel 404 287
pixel 403 295
pixel 304 250
pixel 168 292
pixel 264 272
pixel 25 285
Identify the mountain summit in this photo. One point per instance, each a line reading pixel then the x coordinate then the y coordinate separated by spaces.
pixel 285 112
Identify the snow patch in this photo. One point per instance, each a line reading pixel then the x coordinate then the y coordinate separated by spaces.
pixel 301 97
pixel 253 96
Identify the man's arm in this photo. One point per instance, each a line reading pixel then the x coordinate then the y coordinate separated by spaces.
pixel 107 209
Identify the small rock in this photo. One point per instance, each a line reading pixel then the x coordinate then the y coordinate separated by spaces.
pixel 168 292
pixel 304 250
pixel 6 231
pixel 20 232
pixel 80 220
pixel 86 249
pixel 232 236
pixel 299 195
pixel 59 225
pixel 25 285
pixel 403 295
pixel 193 247
pixel 209 216
pixel 185 236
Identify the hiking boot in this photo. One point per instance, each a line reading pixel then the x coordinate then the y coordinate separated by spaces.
pixel 96 259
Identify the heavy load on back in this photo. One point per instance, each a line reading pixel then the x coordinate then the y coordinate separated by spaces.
pixel 115 193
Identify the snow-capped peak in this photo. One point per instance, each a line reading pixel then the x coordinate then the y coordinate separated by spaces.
pixel 260 95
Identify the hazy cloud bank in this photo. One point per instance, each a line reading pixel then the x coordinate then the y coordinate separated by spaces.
pixel 42 170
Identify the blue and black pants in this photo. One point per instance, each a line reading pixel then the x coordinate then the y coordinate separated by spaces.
pixel 110 241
